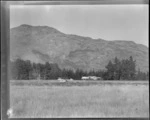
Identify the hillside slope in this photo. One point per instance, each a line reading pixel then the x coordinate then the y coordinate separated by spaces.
pixel 43 43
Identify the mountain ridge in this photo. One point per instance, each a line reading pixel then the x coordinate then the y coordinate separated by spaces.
pixel 47 44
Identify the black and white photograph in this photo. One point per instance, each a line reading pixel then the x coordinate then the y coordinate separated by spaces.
pixel 79 61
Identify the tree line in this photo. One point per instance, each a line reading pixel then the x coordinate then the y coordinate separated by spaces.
pixel 124 69
pixel 117 70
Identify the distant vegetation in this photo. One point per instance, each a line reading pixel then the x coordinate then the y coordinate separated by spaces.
pixel 117 70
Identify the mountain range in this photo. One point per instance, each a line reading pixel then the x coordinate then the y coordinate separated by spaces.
pixel 42 44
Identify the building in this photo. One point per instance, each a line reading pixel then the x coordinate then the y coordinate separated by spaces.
pixel 61 80
pixel 91 78
pixel 85 78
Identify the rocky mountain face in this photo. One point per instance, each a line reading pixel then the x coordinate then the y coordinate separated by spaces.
pixel 46 44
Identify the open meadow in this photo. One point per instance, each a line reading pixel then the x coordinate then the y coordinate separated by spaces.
pixel 35 98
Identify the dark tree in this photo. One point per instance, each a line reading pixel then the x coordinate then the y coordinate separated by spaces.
pixel 117 69
pixel 132 68
pixel 110 71
pixel 47 71
pixel 21 69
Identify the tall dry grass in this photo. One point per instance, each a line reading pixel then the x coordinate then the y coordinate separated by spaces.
pixel 80 101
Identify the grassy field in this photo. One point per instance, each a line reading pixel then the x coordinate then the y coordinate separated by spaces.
pixel 79 99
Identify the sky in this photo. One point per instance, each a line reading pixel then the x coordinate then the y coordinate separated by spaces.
pixel 109 22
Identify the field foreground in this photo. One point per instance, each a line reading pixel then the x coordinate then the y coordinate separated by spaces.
pixel 79 99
